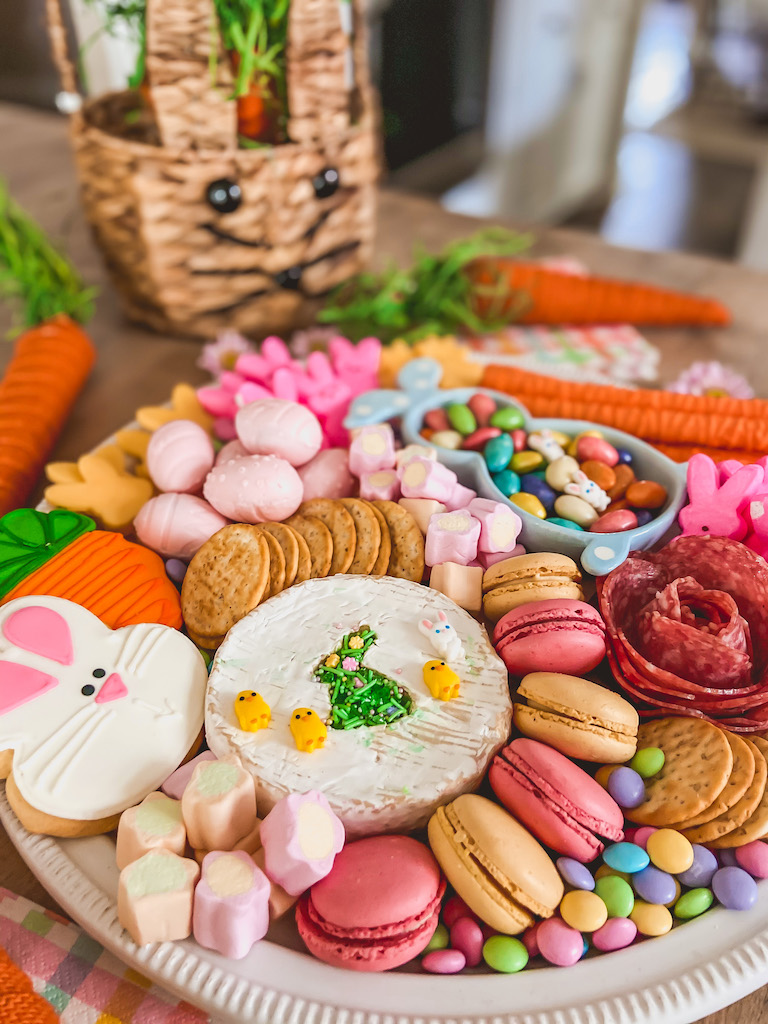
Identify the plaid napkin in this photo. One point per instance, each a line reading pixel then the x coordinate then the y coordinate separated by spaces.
pixel 82 981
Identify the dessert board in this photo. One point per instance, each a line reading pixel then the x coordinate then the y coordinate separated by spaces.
pixel 667 981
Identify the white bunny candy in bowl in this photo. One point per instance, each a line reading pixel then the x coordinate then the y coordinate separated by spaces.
pixel 599 553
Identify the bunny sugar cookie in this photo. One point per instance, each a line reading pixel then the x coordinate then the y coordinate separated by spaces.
pixel 91 719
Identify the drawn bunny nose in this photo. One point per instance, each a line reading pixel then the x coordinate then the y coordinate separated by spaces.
pixel 113 689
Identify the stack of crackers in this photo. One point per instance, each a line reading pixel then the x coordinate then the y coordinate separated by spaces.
pixel 712 787
pixel 242 565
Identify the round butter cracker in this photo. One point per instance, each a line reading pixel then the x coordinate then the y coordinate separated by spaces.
pixel 342 528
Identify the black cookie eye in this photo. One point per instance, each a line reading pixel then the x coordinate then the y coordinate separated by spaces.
pixel 88 690
pixel 289 279
pixel 326 182
pixel 224 195
pixel 98 673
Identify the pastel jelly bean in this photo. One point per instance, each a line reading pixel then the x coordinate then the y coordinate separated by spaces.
pixel 507 482
pixel 626 857
pixel 444 961
pixel 482 407
pixel 701 870
pixel 648 762
pixel 734 888
pixel 753 858
pixel 519 440
pixel 461 418
pixel 454 908
pixel 568 506
pixel 670 851
pixel 616 521
pixel 616 893
pixel 530 939
pixel 646 494
pixel 596 449
pixel 526 461
pixel 507 418
pixel 654 886
pixel 583 910
pixel 529 503
pixel 616 933
pixel 565 523
pixel 531 484
pixel 678 889
pixel 603 774
pixel 643 516
pixel 505 954
pixel 693 903
pixel 440 939
pixel 561 472
pixel 624 456
pixel 477 441
pixel 573 445
pixel 626 787
pixel 498 453
pixel 651 918
pixel 437 419
pixel 558 943
pixel 574 873
pixel 625 475
pixel 602 474
pixel 450 439
pixel 640 837
pixel 467 937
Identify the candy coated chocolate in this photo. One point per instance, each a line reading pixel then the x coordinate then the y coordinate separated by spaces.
pixel 616 521
pixel 596 449
pixel 646 494
pixel 602 474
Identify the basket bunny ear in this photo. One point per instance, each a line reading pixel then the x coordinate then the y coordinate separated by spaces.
pixel 319 90
pixel 703 478
pixel 189 78
pixel 738 488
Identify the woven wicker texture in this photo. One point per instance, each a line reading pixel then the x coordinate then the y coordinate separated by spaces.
pixel 180 265
pixel 18 1003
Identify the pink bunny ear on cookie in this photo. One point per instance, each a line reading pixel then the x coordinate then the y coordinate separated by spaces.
pixel 20 683
pixel 42 631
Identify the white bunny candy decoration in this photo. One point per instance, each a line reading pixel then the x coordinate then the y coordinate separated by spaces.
pixel 95 718
pixel 543 442
pixel 588 490
pixel 714 507
pixel 443 637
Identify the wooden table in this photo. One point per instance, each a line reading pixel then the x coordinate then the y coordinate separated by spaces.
pixel 138 368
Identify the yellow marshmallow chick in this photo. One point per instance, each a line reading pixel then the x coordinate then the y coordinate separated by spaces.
pixel 308 729
pixel 442 682
pixel 252 711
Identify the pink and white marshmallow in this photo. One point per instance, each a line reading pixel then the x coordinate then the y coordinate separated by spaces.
pixel 300 837
pixel 219 805
pixel 383 485
pixel 154 897
pixel 422 510
pixel 499 525
pixel 460 497
pixel 371 449
pixel 231 910
pixel 154 824
pixel 423 478
pixel 452 537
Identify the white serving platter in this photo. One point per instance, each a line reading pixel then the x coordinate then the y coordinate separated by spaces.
pixel 697 969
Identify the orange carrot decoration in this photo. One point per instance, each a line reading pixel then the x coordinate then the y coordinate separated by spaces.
pixel 529 293
pixel 19 1003
pixel 676 424
pixel 52 358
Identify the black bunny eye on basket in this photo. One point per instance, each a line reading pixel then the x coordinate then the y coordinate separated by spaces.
pixel 326 182
pixel 224 195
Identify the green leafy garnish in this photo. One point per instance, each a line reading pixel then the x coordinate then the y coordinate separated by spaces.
pixel 434 296
pixel 34 273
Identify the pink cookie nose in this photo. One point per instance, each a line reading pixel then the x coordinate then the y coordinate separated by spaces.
pixel 113 689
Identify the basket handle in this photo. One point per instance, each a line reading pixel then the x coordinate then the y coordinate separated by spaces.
pixel 320 99
pixel 59 40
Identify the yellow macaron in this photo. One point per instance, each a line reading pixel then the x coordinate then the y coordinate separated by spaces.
pixel 533 577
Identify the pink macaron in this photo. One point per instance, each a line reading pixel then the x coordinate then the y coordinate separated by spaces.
pixel 378 907
pixel 560 803
pixel 551 636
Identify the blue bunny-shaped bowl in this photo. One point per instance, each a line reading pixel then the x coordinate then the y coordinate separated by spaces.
pixel 598 553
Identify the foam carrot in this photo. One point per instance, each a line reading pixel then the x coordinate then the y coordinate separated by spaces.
pixel 530 293
pixel 677 424
pixel 52 358
pixel 19 1003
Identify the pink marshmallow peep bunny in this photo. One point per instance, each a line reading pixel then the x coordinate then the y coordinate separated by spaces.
pixel 716 507
pixel 356 365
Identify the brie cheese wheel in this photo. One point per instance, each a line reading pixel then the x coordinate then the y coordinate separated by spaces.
pixel 381 778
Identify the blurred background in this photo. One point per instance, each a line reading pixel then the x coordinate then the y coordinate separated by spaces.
pixel 643 120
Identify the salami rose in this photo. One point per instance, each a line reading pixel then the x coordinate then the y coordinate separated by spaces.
pixel 688 630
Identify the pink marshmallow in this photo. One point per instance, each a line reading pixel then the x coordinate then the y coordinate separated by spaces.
pixel 371 449
pixel 219 805
pixel 488 558
pixel 452 537
pixel 176 782
pixel 300 837
pixel 461 583
pixel 154 897
pixel 423 478
pixel 327 475
pixel 499 529
pixel 460 498
pixel 154 824
pixel 422 510
pixel 280 902
pixel 414 451
pixel 231 904
pixel 382 485
pixel 177 525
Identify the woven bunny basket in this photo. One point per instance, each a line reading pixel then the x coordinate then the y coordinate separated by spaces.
pixel 184 256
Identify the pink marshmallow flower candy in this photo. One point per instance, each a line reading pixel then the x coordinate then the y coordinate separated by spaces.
pixel 301 837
